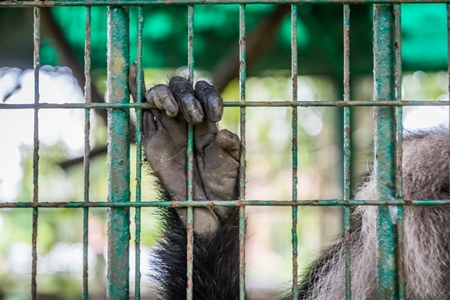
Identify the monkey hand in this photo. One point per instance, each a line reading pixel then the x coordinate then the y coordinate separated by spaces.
pixel 216 153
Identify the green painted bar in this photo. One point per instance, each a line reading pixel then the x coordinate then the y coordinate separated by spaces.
pixel 11 3
pixel 385 164
pixel 294 78
pixel 347 153
pixel 248 103
pixel 138 141
pixel 211 203
pixel 87 149
pixel 399 149
pixel 242 167
pixel 36 65
pixel 448 83
pixel 118 223
pixel 190 167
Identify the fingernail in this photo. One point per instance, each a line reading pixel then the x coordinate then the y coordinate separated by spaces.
pixel 170 108
pixel 197 117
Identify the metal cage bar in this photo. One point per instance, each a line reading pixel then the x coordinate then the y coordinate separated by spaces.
pixel 347 152
pixel 399 148
pixel 138 141
pixel 385 164
pixel 37 65
pixel 87 149
pixel 294 79
pixel 242 167
pixel 118 222
pixel 30 3
pixel 248 103
pixel 227 203
pixel 448 80
pixel 190 166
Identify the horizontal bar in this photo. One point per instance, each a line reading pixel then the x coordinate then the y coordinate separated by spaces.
pixel 232 203
pixel 13 3
pixel 338 103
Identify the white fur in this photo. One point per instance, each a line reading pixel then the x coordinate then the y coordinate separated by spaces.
pixel 426 229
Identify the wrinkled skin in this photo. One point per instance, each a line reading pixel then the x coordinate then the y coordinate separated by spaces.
pixel 216 153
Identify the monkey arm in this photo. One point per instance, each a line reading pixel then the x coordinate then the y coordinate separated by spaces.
pixel 215 177
pixel 216 260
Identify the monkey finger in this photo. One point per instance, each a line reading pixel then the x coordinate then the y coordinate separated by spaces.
pixel 183 92
pixel 230 142
pixel 132 81
pixel 160 96
pixel 211 100
pixel 149 125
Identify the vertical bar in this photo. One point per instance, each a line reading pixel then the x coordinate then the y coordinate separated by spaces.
pixel 37 64
pixel 87 149
pixel 347 153
pixel 118 154
pixel 190 165
pixel 399 149
pixel 138 140
pixel 242 79
pixel 448 90
pixel 294 75
pixel 385 164
pixel 448 68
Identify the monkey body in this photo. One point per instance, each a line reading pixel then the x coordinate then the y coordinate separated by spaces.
pixel 426 236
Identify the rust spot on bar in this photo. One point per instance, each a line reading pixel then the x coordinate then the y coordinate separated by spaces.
pixel 190 253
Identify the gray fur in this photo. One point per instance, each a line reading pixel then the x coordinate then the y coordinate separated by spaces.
pixel 426 229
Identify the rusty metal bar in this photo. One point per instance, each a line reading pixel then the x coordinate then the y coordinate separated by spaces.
pixel 15 3
pixel 118 222
pixel 138 141
pixel 248 103
pixel 294 79
pixel 242 174
pixel 347 153
pixel 37 64
pixel 448 57
pixel 190 167
pixel 399 149
pixel 448 84
pixel 87 150
pixel 385 162
pixel 228 203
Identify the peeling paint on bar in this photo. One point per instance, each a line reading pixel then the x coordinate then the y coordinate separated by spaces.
pixel 399 149
pixel 36 65
pixel 138 141
pixel 385 163
pixel 87 149
pixel 211 203
pixel 448 84
pixel 118 220
pixel 347 153
pixel 242 165
pixel 14 3
pixel 190 167
pixel 248 103
pixel 294 78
